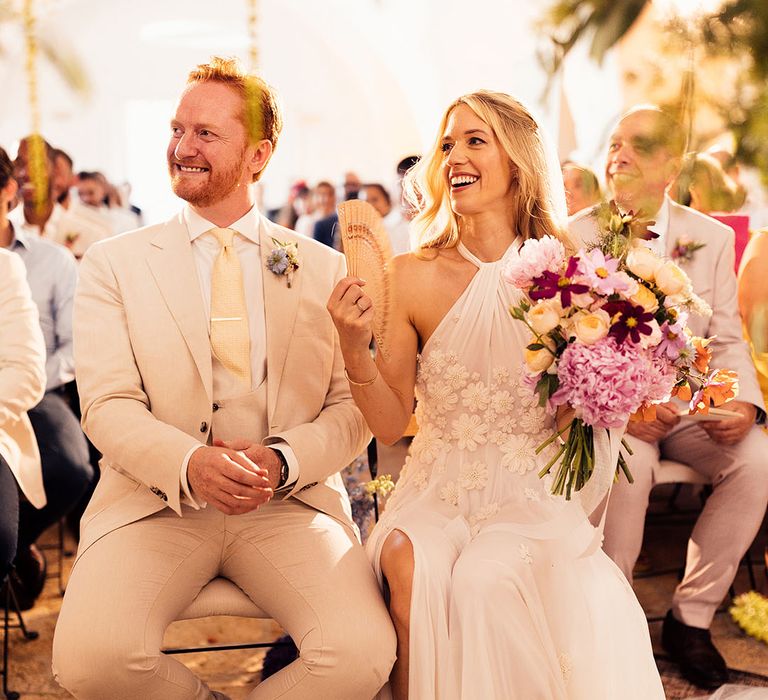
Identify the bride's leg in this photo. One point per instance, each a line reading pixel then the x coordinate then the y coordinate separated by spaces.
pixel 397 566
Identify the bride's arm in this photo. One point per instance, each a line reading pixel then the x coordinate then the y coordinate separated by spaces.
pixel 383 390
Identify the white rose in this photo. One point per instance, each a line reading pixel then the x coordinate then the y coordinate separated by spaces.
pixel 670 279
pixel 545 316
pixel 589 328
pixel 538 360
pixel 643 262
pixel 652 340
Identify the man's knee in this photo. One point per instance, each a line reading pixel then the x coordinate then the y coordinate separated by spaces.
pixel 98 661
pixel 357 658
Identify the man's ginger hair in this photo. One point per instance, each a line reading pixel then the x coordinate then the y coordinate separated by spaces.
pixel 261 114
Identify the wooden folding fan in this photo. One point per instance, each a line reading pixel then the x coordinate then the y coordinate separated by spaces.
pixel 368 251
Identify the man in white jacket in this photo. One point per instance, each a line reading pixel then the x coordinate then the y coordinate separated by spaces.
pixel 22 382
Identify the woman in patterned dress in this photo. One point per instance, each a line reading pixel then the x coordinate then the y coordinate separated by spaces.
pixel 498 590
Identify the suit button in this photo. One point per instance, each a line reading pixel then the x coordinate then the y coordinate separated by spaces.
pixel 215 407
pixel 203 427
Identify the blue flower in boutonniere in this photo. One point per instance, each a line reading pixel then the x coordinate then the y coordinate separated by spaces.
pixel 284 260
pixel 685 249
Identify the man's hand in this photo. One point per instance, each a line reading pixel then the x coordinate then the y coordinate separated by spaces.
pixel 732 430
pixel 265 457
pixel 228 480
pixel 653 431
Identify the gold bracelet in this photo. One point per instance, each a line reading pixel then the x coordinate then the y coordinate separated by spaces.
pixel 368 383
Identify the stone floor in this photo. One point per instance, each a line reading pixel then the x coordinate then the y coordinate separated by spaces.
pixel 236 672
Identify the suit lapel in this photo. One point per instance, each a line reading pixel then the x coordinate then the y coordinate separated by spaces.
pixel 173 268
pixel 281 304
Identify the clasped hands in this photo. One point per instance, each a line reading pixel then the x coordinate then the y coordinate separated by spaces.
pixel 728 431
pixel 234 477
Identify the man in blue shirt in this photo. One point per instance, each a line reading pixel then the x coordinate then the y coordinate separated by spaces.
pixel 52 277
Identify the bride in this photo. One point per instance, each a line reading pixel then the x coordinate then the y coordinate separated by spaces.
pixel 498 590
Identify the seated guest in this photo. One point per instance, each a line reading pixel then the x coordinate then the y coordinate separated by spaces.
pixel 582 189
pixel 22 381
pixel 753 302
pixel 323 204
pixel 324 229
pixel 52 275
pixel 704 185
pixel 40 213
pixel 63 177
pixel 644 157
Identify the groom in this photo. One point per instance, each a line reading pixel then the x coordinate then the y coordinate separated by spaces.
pixel 212 382
pixel 644 156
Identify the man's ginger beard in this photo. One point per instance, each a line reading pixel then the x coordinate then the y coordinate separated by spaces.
pixel 216 187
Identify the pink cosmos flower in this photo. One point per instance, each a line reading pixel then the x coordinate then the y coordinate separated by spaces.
pixel 601 271
pixel 535 257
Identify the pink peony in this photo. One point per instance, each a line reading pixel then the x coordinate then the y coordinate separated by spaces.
pixel 534 258
pixel 604 382
pixel 661 379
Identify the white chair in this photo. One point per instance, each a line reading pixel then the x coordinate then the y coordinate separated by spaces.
pixel 222 597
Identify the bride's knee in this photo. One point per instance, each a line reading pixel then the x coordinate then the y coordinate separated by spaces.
pixel 397 565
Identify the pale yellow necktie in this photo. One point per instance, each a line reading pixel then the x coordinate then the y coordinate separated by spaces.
pixel 230 338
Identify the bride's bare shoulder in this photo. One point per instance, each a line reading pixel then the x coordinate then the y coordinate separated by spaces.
pixel 411 270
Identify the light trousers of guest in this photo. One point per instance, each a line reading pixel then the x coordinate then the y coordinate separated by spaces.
pixel 725 528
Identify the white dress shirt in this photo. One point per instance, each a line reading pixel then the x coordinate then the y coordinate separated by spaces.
pixel 205 249
pixel 660 226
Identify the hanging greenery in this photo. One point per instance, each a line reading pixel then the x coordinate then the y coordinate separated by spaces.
pixel 737 31
pixel 36 155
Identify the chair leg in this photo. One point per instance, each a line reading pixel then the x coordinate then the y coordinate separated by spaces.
pixel 10 604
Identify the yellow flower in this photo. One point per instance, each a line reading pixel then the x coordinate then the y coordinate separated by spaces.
pixel 538 360
pixel 671 279
pixel 589 328
pixel 645 297
pixel 545 316
pixel 643 262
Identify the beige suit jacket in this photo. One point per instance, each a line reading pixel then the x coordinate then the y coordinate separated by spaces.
pixel 143 364
pixel 22 376
pixel 712 274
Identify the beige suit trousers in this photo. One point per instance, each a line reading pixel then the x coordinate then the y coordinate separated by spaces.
pixel 299 565
pixel 725 528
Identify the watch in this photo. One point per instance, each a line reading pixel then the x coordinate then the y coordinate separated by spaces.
pixel 284 470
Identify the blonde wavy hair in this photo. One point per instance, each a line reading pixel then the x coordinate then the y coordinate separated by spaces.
pixel 426 184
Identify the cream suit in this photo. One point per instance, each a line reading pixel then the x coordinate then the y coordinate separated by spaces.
pixel 739 474
pixel 22 376
pixel 144 369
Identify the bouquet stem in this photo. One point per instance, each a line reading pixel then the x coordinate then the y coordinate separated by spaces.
pixel 576 458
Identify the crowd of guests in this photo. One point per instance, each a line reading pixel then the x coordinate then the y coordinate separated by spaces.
pixel 50 233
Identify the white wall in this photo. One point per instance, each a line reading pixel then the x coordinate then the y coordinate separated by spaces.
pixel 363 82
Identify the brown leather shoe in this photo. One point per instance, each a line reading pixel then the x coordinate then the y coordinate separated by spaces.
pixel 691 647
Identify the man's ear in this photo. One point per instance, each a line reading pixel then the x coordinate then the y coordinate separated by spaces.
pixel 261 154
pixel 672 168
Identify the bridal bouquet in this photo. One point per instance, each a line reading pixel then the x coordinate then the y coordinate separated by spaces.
pixel 610 338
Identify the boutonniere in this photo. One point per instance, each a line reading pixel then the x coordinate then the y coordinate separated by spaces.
pixel 685 249
pixel 284 259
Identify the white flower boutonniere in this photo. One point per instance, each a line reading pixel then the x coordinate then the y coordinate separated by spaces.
pixel 284 260
pixel 685 249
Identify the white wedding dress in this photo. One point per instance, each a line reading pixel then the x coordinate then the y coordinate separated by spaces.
pixel 512 597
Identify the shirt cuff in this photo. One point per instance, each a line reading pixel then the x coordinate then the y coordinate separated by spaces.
pixel 186 489
pixel 293 464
